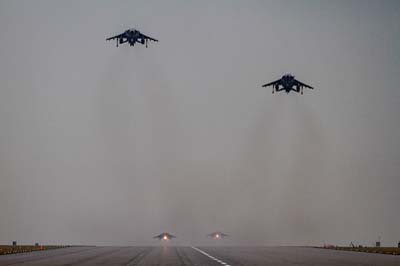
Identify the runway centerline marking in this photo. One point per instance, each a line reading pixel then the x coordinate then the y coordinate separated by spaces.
pixel 211 257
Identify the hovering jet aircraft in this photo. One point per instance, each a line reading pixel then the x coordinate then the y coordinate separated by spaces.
pixel 132 36
pixel 287 83
pixel 217 235
pixel 165 236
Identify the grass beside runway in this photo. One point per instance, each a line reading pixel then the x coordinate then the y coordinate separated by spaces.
pixel 380 250
pixel 4 249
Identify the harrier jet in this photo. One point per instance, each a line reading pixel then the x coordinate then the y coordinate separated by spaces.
pixel 132 36
pixel 287 83
pixel 165 236
pixel 217 235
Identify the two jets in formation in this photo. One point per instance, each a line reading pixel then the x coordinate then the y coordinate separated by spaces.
pixel 167 236
pixel 286 83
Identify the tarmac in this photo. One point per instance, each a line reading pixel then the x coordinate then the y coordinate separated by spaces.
pixel 196 256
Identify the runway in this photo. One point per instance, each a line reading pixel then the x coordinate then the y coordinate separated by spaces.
pixel 197 256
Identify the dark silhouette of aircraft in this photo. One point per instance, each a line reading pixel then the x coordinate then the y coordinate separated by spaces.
pixel 287 83
pixel 132 36
pixel 217 235
pixel 165 236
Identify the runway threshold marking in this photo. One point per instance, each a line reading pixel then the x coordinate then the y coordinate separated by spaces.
pixel 211 257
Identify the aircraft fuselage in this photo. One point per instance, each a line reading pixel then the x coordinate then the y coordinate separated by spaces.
pixel 288 83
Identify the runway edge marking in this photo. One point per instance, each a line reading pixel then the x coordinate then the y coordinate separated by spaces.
pixel 211 257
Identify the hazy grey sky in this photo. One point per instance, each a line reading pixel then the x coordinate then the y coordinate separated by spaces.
pixel 106 145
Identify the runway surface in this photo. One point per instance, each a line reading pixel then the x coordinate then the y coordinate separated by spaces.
pixel 199 256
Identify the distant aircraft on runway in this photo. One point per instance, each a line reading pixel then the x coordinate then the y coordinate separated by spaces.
pixel 165 236
pixel 287 83
pixel 217 235
pixel 132 36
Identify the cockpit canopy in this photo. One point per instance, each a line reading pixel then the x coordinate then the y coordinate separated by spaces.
pixel 288 76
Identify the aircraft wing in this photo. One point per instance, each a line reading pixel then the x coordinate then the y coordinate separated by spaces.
pixel 272 83
pixel 304 85
pixel 162 236
pixel 220 234
pixel 149 38
pixel 115 37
